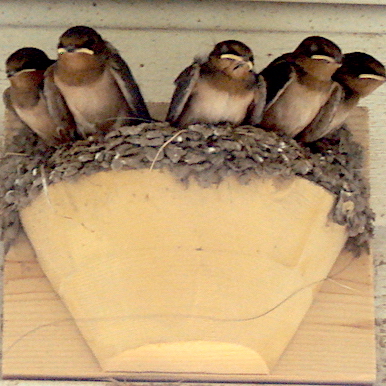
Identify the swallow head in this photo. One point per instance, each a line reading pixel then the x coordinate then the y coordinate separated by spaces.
pixel 318 56
pixel 26 60
pixel 81 44
pixel 361 72
pixel 233 58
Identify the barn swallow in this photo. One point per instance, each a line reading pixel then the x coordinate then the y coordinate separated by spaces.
pixel 359 75
pixel 220 88
pixel 96 83
pixel 25 99
pixel 299 83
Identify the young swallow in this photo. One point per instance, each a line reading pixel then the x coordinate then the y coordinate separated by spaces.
pixel 25 99
pixel 359 75
pixel 299 84
pixel 96 83
pixel 221 88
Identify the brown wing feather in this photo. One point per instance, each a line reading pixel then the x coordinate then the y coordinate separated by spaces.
pixel 185 83
pixel 127 84
pixel 321 124
pixel 57 107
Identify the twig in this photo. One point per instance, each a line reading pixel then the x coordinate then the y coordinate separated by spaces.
pixel 21 154
pixel 164 145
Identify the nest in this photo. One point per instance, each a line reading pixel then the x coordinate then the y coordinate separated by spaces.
pixel 205 153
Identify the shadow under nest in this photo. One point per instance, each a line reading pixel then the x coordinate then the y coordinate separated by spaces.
pixel 206 153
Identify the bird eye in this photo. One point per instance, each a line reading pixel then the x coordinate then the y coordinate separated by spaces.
pixel 10 73
pixel 314 47
pixel 223 49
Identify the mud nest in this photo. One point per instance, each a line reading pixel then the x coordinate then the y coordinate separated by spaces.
pixel 205 153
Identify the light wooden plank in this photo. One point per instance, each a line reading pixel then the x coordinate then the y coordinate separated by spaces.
pixel 344 291
pixel 119 382
pixel 185 265
pixel 39 315
pixel 334 343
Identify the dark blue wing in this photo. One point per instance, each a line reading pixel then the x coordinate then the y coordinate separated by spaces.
pixel 277 75
pixel 127 84
pixel 185 83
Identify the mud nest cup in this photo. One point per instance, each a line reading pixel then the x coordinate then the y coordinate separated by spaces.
pixel 205 153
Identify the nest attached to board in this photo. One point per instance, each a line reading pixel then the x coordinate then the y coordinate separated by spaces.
pixel 206 153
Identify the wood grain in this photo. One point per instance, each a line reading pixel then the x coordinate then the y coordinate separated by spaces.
pixel 151 268
pixel 335 342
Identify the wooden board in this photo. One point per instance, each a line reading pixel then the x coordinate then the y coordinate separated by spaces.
pixel 335 342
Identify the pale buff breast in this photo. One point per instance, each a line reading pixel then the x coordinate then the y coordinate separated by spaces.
pixel 94 104
pixel 341 114
pixel 294 109
pixel 211 105
pixel 38 119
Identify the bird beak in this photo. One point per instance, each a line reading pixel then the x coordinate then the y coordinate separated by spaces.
pixel 323 57
pixel 63 50
pixel 12 73
pixel 249 64
pixel 372 76
pixel 238 59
